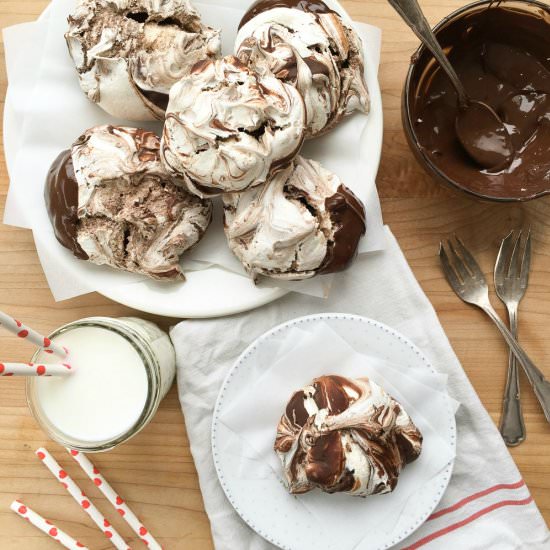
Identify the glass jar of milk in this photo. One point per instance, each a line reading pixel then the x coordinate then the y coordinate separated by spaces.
pixel 123 368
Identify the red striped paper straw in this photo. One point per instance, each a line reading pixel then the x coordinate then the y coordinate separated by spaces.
pixel 46 526
pixel 21 330
pixel 35 369
pixel 83 501
pixel 121 507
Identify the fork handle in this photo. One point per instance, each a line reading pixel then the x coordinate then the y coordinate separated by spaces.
pixel 535 376
pixel 512 425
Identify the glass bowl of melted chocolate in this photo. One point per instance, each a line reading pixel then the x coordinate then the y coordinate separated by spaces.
pixel 501 52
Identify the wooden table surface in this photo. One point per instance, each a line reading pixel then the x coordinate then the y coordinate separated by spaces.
pixel 155 471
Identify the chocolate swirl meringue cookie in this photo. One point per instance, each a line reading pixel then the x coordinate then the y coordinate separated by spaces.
pixel 308 45
pixel 111 202
pixel 228 129
pixel 343 435
pixel 303 222
pixel 129 53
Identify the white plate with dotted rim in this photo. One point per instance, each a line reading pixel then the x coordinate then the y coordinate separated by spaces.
pixel 265 511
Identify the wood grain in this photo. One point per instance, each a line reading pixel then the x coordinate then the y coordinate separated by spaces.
pixel 155 472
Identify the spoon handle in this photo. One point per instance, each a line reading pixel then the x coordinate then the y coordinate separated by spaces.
pixel 411 13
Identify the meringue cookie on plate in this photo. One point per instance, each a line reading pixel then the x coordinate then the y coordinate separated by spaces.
pixel 228 129
pixel 129 53
pixel 343 435
pixel 111 202
pixel 308 45
pixel 301 223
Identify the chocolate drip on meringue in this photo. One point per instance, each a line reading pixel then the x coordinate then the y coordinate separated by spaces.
pixel 304 221
pixel 112 202
pixel 157 98
pixel 348 217
pixel 61 196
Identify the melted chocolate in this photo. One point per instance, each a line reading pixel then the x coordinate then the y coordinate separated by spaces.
pixel 156 98
pixel 325 460
pixel 348 216
pixel 260 6
pixel 289 72
pixel 406 448
pixel 330 393
pixel 61 195
pixel 296 411
pixel 344 484
pixel 501 56
pixel 484 136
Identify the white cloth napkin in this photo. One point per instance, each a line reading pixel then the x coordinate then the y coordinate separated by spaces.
pixel 487 505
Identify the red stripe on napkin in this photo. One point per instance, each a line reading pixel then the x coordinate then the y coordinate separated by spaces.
pixel 475 496
pixel 473 517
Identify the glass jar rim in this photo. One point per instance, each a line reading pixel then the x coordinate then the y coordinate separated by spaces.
pixel 152 369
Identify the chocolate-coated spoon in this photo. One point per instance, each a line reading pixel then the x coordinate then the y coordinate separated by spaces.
pixel 479 129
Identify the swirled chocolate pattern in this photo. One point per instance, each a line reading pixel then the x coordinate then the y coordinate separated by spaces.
pixel 343 435
pixel 112 202
pixel 306 44
pixel 301 223
pixel 228 129
pixel 129 53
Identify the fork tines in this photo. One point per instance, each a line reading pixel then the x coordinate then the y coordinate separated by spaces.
pixel 514 259
pixel 459 265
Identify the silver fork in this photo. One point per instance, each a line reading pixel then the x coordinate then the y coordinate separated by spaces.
pixel 469 283
pixel 511 280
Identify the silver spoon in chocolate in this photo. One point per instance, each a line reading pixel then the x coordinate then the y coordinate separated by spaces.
pixel 479 129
